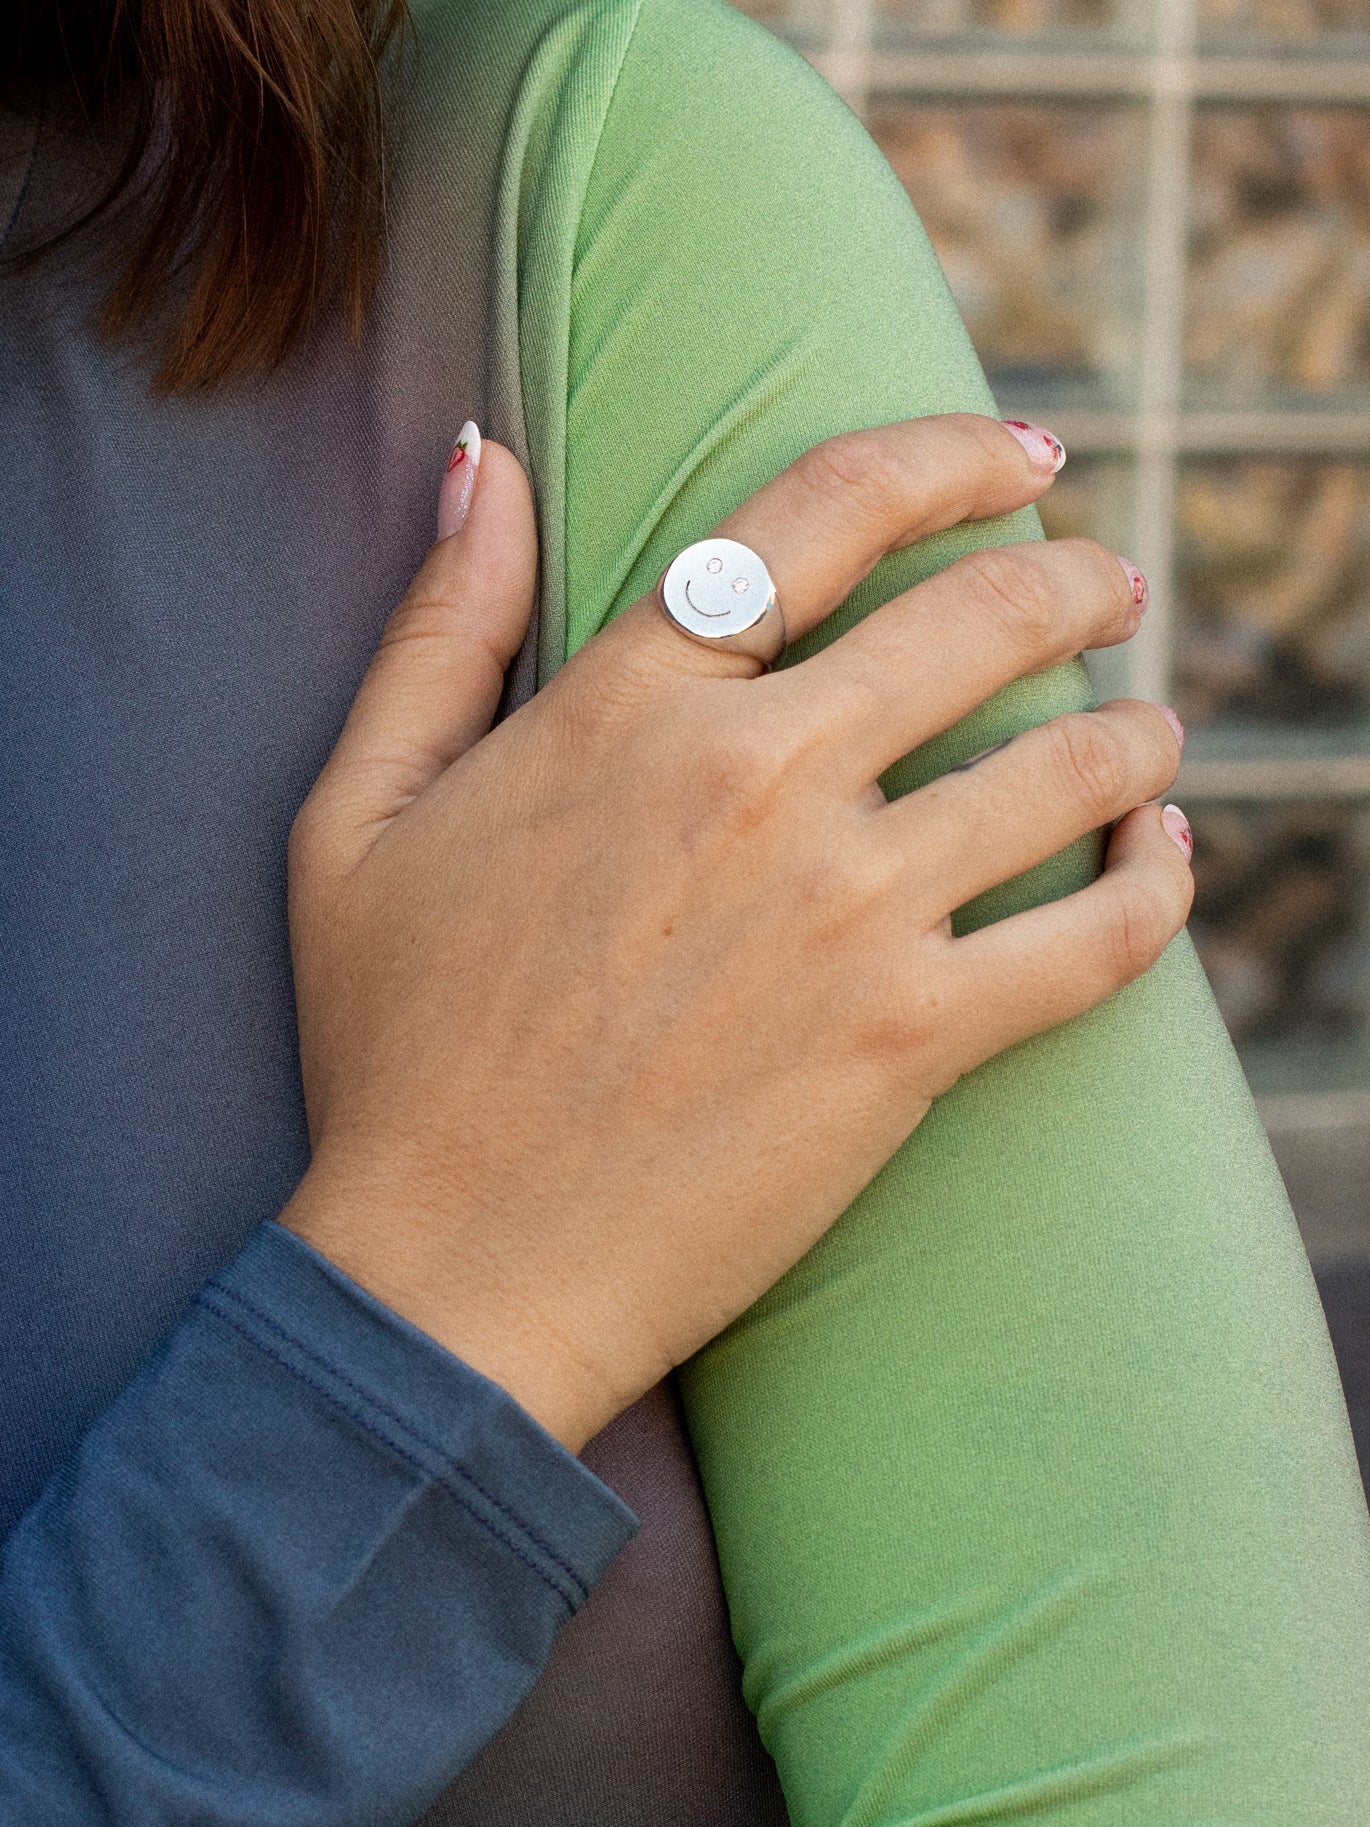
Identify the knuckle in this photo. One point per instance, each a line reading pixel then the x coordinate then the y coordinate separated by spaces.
pixel 1102 588
pixel 419 617
pixel 840 890
pixel 990 451
pixel 605 687
pixel 986 433
pixel 855 467
pixel 1089 761
pixel 738 771
pixel 600 700
pixel 903 1025
pixel 1141 928
pixel 309 840
pixel 1158 754
pixel 1166 751
pixel 1101 564
pixel 747 756
pixel 1015 589
pixel 320 846
pixel 889 1032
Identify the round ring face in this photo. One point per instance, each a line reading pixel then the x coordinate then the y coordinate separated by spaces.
pixel 716 588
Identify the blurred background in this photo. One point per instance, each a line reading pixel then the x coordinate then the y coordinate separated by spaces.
pixel 1155 217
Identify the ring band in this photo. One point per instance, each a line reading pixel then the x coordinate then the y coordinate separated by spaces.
pixel 719 591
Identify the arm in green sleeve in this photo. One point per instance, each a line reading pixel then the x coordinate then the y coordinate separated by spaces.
pixel 1032 1483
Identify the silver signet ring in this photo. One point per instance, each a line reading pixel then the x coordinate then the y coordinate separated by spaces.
pixel 719 591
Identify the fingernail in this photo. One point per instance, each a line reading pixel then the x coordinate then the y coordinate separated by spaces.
pixel 1141 594
pixel 1045 449
pixel 459 483
pixel 1173 721
pixel 1176 827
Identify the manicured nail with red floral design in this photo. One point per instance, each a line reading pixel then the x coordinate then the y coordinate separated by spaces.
pixel 1173 721
pixel 1176 827
pixel 1045 449
pixel 1141 594
pixel 459 484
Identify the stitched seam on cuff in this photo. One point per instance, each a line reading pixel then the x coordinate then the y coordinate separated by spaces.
pixel 444 1463
pixel 448 1475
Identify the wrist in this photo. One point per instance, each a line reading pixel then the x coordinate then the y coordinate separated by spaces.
pixel 413 1262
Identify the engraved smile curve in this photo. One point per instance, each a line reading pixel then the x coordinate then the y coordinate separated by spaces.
pixel 713 614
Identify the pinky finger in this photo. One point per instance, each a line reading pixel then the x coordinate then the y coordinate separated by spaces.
pixel 1056 961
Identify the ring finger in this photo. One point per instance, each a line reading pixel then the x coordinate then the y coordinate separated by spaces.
pixel 979 826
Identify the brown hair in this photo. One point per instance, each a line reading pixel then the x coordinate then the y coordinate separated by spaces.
pixel 267 203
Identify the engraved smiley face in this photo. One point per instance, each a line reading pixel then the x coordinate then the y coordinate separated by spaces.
pixel 713 587
pixel 717 587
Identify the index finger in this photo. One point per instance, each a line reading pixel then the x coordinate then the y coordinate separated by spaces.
pixel 825 522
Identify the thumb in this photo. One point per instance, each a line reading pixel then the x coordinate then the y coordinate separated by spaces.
pixel 435 682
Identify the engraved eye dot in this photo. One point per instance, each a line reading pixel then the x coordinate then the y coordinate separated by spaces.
pixel 740 585
pixel 715 565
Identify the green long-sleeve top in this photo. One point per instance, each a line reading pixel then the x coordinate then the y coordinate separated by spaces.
pixel 1031 1487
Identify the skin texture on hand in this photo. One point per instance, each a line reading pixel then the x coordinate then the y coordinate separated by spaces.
pixel 608 1013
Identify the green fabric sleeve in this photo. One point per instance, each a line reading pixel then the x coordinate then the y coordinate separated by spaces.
pixel 1032 1483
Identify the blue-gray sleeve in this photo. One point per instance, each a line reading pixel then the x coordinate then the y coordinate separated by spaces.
pixel 296 1574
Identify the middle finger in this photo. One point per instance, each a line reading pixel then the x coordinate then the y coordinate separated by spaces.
pixel 921 662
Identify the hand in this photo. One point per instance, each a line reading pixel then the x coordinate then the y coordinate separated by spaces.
pixel 607 1014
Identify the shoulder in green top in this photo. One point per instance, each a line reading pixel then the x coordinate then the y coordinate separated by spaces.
pixel 1032 1483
